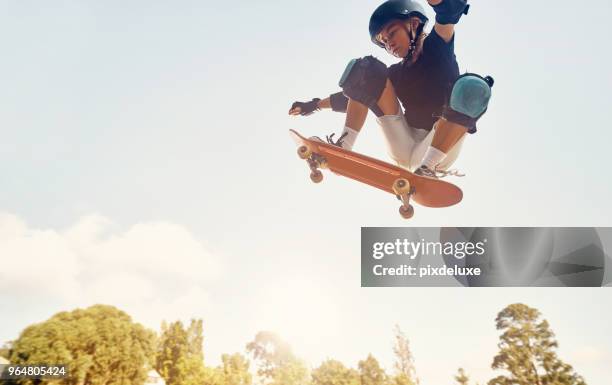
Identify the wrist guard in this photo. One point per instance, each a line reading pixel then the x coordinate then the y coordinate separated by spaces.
pixel 450 11
pixel 307 108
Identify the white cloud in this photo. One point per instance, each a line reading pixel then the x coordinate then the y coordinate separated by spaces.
pixel 153 270
pixel 36 262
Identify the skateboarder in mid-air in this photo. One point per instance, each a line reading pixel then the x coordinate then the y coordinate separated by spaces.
pixel 439 106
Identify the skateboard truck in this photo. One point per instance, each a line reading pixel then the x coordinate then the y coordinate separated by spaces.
pixel 315 162
pixel 403 190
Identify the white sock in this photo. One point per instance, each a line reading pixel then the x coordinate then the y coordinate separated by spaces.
pixel 433 157
pixel 349 140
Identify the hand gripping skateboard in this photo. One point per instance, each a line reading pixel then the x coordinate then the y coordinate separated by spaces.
pixel 395 180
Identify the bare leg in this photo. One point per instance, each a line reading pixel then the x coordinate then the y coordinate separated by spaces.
pixel 355 115
pixel 447 135
pixel 388 103
pixel 356 112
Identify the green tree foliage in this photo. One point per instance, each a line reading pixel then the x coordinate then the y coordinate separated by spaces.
pixel 461 377
pixel 235 370
pixel 212 376
pixel 400 379
pixel 5 350
pixel 332 372
pixel 294 372
pixel 180 357
pixel 101 346
pixel 527 351
pixel 276 363
pixel 370 372
pixel 404 361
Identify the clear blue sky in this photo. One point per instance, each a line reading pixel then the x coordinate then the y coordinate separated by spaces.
pixel 145 163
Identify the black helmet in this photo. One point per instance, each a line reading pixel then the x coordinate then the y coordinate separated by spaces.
pixel 394 10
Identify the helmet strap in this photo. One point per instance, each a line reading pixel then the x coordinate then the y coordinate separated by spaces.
pixel 414 41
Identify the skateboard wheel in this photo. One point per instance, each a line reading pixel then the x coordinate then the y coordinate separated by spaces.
pixel 401 186
pixel 304 152
pixel 406 212
pixel 316 176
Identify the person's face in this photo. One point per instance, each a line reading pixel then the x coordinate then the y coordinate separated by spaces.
pixel 396 37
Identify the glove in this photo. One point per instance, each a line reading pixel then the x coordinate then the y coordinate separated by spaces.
pixel 307 108
pixel 450 11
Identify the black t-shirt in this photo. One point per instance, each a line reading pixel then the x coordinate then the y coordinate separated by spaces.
pixel 423 87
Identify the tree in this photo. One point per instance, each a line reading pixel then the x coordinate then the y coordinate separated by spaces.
pixel 5 350
pixel 527 351
pixel 294 372
pixel 235 370
pixel 332 372
pixel 212 376
pixel 277 364
pixel 404 361
pixel 400 379
pixel 370 372
pixel 461 377
pixel 101 346
pixel 269 351
pixel 180 357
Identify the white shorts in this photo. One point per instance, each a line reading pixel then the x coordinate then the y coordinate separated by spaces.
pixel 406 145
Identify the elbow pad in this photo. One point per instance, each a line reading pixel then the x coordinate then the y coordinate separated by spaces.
pixel 338 102
pixel 450 11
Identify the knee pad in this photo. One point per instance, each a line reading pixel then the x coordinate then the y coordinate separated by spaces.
pixel 364 80
pixel 469 100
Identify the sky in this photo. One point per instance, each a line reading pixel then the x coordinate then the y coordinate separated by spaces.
pixel 145 163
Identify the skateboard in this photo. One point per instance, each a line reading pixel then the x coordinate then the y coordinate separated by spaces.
pixel 395 180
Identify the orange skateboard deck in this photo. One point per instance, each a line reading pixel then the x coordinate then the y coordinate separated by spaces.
pixel 393 179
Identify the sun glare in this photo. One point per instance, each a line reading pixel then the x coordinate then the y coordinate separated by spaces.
pixel 301 313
